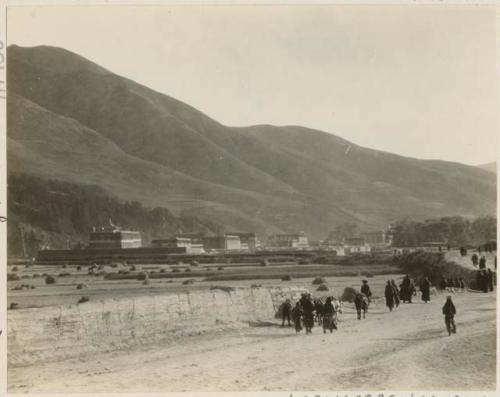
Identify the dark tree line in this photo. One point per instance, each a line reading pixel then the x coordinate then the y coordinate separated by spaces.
pixel 455 231
pixel 55 213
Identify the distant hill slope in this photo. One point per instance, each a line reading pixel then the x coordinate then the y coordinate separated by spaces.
pixel 55 214
pixel 70 119
pixel 491 167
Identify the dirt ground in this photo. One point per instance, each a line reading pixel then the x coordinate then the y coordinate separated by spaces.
pixel 406 349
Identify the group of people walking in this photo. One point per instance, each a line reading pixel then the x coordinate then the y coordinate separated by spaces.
pixel 405 292
pixel 485 280
pixel 308 311
pixel 452 284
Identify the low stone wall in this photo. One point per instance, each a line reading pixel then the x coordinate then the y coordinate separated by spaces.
pixel 62 332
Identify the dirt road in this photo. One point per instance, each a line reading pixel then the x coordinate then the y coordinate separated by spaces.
pixel 406 349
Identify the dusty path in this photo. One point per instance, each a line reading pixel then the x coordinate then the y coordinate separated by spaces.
pixel 406 349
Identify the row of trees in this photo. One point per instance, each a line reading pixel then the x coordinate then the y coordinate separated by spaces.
pixel 455 231
pixel 49 212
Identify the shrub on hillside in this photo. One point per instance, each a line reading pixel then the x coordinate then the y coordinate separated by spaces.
pixel 195 264
pixel 12 277
pixel 187 270
pixel 318 281
pixel 13 306
pixel 286 278
pixel 15 268
pixel 81 286
pixel 83 299
pixel 189 281
pixel 64 274
pixel 78 268
pixel 322 287
pixel 420 264
pixel 348 295
pixel 50 280
pixel 175 270
pixel 142 276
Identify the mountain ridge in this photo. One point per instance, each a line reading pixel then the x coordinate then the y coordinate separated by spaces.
pixel 257 178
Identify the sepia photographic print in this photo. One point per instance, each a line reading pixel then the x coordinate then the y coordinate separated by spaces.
pixel 282 199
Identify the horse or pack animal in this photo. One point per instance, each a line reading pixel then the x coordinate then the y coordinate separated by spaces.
pixel 361 302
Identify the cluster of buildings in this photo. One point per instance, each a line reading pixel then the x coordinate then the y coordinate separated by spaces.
pixel 112 243
pixel 112 237
pixel 363 243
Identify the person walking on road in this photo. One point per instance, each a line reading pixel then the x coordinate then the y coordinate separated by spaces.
pixel 329 316
pixel 297 317
pixel 389 296
pixel 286 311
pixel 365 289
pixel 396 293
pixel 449 312
pixel 425 288
pixel 490 279
pixel 308 310
pixel 482 262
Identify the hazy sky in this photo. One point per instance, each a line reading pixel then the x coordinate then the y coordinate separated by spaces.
pixel 417 81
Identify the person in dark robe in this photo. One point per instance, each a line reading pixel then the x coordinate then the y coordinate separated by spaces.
pixel 425 288
pixel 489 277
pixel 396 292
pixel 407 288
pixel 297 317
pixel 479 280
pixel 482 262
pixel 308 313
pixel 365 289
pixel 318 308
pixel 389 296
pixel 482 280
pixel 475 260
pixel 286 310
pixel 449 312
pixel 484 284
pixel 329 316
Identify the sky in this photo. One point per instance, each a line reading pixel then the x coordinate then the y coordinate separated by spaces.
pixel 418 81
